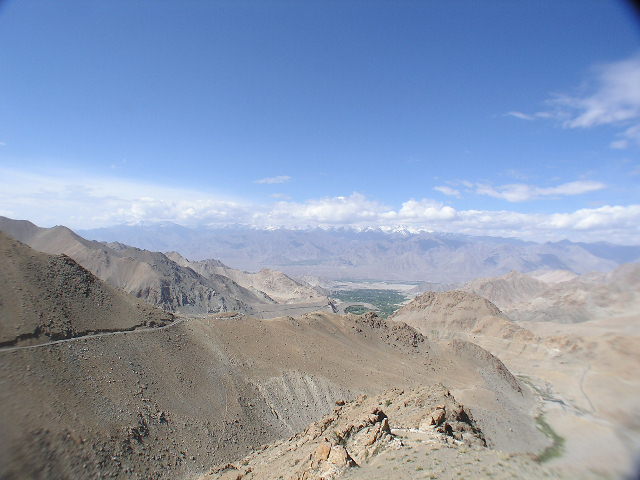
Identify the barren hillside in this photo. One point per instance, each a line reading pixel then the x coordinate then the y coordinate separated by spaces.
pixel 47 297
pixel 560 297
pixel 585 373
pixel 150 276
pixel 276 285
pixel 177 401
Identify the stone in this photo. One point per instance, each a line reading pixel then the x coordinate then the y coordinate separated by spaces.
pixel 461 416
pixel 438 416
pixel 384 425
pixel 340 457
pixel 321 453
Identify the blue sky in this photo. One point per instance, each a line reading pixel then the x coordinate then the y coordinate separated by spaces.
pixel 500 118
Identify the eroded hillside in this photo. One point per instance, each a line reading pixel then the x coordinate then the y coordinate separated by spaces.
pixel 47 298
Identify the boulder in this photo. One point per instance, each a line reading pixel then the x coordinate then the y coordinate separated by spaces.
pixel 340 457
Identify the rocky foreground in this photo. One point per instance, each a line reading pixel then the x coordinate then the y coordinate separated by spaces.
pixel 418 433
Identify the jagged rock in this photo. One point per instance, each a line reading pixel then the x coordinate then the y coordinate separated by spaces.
pixel 461 416
pixel 340 457
pixel 384 426
pixel 438 416
pixel 321 453
pixel 359 433
pixel 446 429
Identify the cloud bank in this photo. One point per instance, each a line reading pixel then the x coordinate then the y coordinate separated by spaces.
pixel 90 203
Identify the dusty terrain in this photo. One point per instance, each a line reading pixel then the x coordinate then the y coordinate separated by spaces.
pixel 585 374
pixel 176 401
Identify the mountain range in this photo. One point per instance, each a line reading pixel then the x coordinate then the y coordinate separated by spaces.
pixel 561 296
pixel 95 382
pixel 104 399
pixel 370 254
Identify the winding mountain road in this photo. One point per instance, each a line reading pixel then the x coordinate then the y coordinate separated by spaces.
pixel 96 335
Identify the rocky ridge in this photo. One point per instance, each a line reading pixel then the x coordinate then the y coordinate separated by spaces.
pixel 411 433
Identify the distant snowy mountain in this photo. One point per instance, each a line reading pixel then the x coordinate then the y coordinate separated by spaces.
pixel 370 253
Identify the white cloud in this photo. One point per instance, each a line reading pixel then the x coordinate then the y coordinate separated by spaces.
pixel 272 180
pixel 627 137
pixel 594 218
pixel 520 115
pixel 520 192
pixel 85 202
pixel 620 144
pixel 612 99
pixel 352 210
pixel 425 210
pixel 529 116
pixel 452 192
pixel 94 202
pixel 616 97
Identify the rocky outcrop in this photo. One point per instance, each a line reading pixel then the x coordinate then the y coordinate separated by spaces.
pixel 356 433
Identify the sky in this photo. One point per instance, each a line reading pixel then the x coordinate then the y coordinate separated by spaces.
pixel 487 118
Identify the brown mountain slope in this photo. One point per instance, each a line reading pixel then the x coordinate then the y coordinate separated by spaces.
pixel 276 285
pixel 45 297
pixel 581 298
pixel 585 372
pixel 150 276
pixel 174 402
pixel 508 290
pixel 456 314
